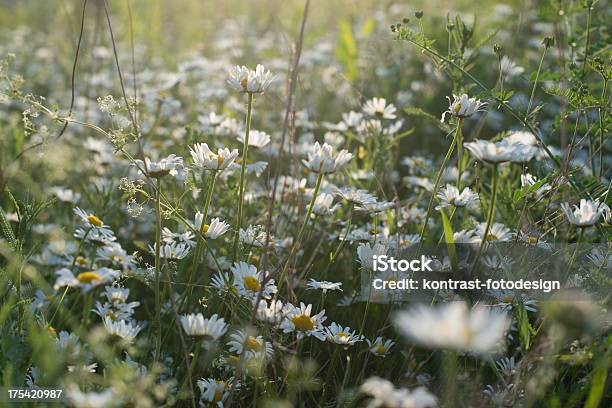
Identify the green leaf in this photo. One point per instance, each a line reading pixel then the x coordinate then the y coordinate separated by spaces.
pixel 598 384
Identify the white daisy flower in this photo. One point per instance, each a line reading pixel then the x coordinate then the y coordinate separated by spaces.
pixel 500 152
pixel 355 196
pixel 465 237
pixel 254 235
pixel 463 106
pixel 249 281
pixel 172 165
pixel 380 347
pixel 323 160
pixel 528 180
pixel 300 321
pixel 213 391
pixel 251 346
pixel 106 398
pixel 497 232
pixel 243 79
pixel 214 230
pixel 90 220
pixel 171 251
pixel 384 394
pixel 323 205
pixel 352 119
pixel 126 330
pixel 197 325
pixel 366 253
pixel 450 197
pixel 377 107
pixel 205 159
pixel 116 255
pixel 85 280
pixel 585 214
pixel 257 138
pixel 325 286
pixel 335 333
pixel 601 258
pixel 480 330
pixel 102 236
pixel 270 312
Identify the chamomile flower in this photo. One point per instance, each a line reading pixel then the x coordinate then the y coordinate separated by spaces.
pixel 243 79
pixel 171 165
pixel 465 237
pixel 463 106
pixel 497 232
pixel 380 347
pixel 480 330
pixel 378 108
pixel 206 159
pixel 106 398
pixel 451 197
pixel 251 346
pixel 257 138
pixel 528 181
pixel 101 236
pixel 587 213
pixel 172 251
pixel 250 282
pixel 325 286
pixel 197 325
pixel 116 255
pixel 214 230
pixel 214 391
pixel 355 196
pixel 300 321
pixel 384 394
pixel 323 205
pixel 322 159
pixel 335 333
pixel 366 253
pixel 85 280
pixel 501 152
pixel 254 235
pixel 90 220
pixel 271 312
pixel 124 329
pixel 351 119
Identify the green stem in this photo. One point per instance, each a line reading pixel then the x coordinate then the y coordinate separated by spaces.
pixel 198 249
pixel 437 185
pixel 158 268
pixel 245 151
pixel 299 236
pixel 535 83
pixel 588 38
pixel 459 138
pixel 489 216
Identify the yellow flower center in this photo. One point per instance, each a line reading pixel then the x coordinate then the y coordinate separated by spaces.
pixel 492 237
pixel 81 260
pixel 233 360
pixel 303 322
pixel 219 391
pixel 362 152
pixel 52 331
pixel 343 335
pixel 88 277
pixel 254 259
pixel 220 160
pixel 111 314
pixel 252 283
pixel 205 228
pixel 457 108
pixel 381 349
pixel 533 240
pixel 93 220
pixel 116 258
pixel 244 83
pixel 253 344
